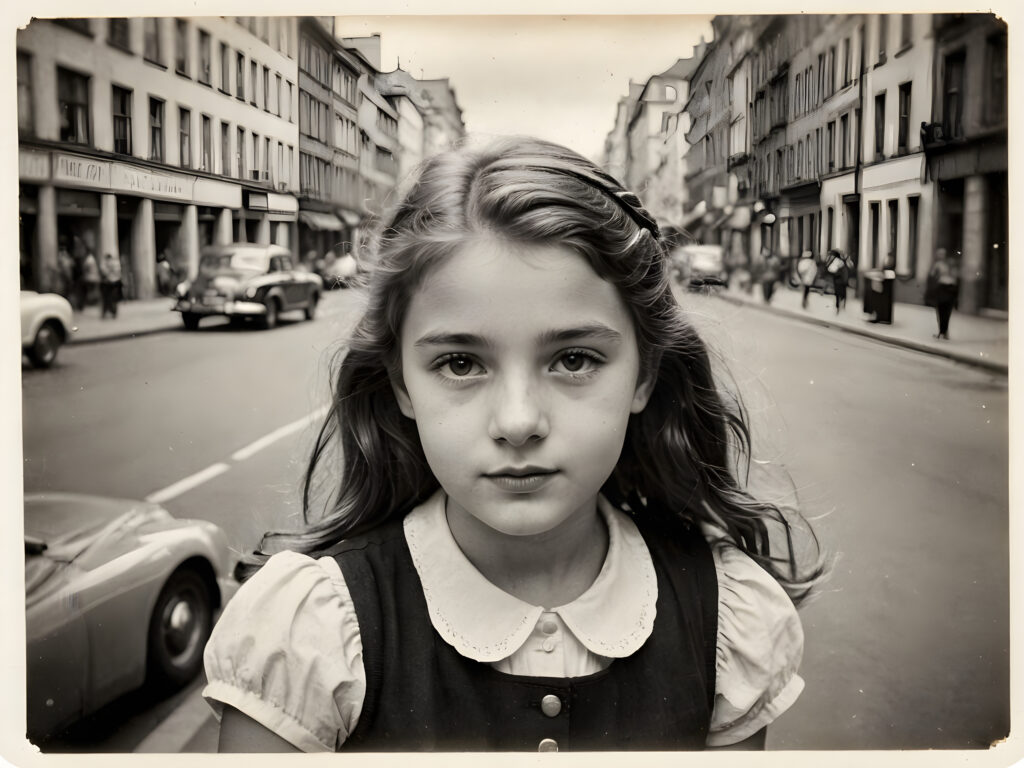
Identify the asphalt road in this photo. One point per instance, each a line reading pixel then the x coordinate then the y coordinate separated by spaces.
pixel 900 459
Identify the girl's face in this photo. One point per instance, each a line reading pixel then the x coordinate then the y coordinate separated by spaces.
pixel 520 367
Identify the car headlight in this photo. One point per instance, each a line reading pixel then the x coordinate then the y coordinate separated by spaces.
pixel 181 290
pixel 250 293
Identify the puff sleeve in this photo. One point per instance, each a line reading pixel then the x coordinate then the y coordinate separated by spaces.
pixel 286 651
pixel 760 645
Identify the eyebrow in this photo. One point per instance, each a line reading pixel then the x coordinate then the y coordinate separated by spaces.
pixel 588 331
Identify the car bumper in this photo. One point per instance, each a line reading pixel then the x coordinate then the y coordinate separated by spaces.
pixel 230 308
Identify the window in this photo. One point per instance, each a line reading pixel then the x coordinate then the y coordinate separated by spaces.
pixel 156 129
pixel 821 79
pixel 880 125
pixel 225 68
pixel 830 225
pixel 185 137
pixel 118 34
pixel 26 121
pixel 240 152
pixel 279 175
pixel 266 159
pixel 844 139
pixel 266 88
pixel 121 109
pixel 73 106
pixel 913 237
pixel 830 137
pixel 883 33
pixel 277 93
pixel 796 105
pixel 904 131
pixel 239 76
pixel 253 74
pixel 225 149
pixel 831 74
pixel 206 144
pixel 151 40
pixel 995 68
pixel 181 46
pixel 204 57
pixel 862 38
pixel 875 234
pixel 906 29
pixel 255 155
pixel 953 87
pixel 800 158
pixel 894 231
pixel 288 103
pixel 846 62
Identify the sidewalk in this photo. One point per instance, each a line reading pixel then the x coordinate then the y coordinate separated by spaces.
pixel 134 318
pixel 974 340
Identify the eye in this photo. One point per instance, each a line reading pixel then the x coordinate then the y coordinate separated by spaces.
pixel 458 366
pixel 577 361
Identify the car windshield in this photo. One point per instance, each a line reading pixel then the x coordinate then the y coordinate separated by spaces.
pixel 234 261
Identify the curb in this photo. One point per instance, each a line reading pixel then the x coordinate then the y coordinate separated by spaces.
pixel 958 357
pixel 120 335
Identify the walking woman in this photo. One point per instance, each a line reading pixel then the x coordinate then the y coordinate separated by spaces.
pixel 942 290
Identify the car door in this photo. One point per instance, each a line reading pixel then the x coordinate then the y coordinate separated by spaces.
pixel 283 279
pixel 297 288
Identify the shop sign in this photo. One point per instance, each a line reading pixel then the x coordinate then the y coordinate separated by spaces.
pixel 81 171
pixel 217 194
pixel 282 203
pixel 256 201
pixel 33 166
pixel 127 179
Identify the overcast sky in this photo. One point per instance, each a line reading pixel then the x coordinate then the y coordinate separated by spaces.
pixel 556 77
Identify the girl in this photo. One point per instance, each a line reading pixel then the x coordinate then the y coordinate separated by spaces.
pixel 539 539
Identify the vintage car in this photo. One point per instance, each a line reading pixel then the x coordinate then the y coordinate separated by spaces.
pixel 45 325
pixel 247 281
pixel 117 593
pixel 699 266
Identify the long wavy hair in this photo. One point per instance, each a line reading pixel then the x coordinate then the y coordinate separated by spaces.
pixel 686 453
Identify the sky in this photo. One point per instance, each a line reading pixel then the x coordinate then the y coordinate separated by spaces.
pixel 556 77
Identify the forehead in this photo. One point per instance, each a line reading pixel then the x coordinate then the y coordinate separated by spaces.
pixel 504 290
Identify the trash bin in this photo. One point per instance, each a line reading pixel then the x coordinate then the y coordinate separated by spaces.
pixel 878 294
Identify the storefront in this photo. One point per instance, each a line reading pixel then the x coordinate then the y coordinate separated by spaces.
pixel 77 204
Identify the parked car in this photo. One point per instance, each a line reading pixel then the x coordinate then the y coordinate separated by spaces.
pixel 45 325
pixel 700 265
pixel 117 593
pixel 247 281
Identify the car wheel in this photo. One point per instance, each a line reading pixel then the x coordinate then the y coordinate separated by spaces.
pixel 311 307
pixel 191 320
pixel 178 629
pixel 45 345
pixel 270 319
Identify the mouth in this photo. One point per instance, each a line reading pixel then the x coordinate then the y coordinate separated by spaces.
pixel 521 479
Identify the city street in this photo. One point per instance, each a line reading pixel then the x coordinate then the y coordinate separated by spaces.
pixel 900 459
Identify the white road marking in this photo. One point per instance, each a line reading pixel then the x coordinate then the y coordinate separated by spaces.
pixel 188 483
pixel 202 476
pixel 258 445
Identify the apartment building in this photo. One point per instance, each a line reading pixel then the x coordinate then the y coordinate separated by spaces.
pixel 965 144
pixel 150 137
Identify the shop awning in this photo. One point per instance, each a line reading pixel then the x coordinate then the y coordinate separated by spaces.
pixel 349 217
pixel 698 211
pixel 317 220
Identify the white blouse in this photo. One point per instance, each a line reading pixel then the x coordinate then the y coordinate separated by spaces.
pixel 287 650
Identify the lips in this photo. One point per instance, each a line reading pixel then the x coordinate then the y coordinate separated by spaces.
pixel 521 479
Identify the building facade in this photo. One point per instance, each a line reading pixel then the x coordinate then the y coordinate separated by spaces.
pixel 965 144
pixel 151 137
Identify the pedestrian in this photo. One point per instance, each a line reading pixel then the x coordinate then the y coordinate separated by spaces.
pixel 770 268
pixel 807 271
pixel 66 269
pixel 164 276
pixel 110 287
pixel 524 419
pixel 90 279
pixel 942 290
pixel 838 269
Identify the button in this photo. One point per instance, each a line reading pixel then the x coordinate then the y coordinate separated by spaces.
pixel 551 705
pixel 548 645
pixel 547 745
pixel 549 627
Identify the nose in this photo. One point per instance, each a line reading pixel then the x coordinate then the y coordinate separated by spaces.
pixel 518 413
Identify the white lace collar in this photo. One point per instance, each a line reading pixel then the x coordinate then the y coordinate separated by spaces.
pixel 613 618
